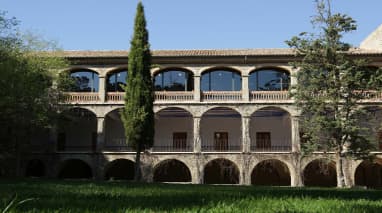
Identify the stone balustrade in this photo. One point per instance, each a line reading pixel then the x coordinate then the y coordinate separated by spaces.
pixel 206 96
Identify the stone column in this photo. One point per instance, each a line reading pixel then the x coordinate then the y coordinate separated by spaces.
pixel 100 133
pixel 197 138
pixel 245 88
pixel 295 134
pixel 197 88
pixel 102 88
pixel 246 139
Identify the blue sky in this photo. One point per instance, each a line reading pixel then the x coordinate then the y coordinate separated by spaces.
pixel 183 24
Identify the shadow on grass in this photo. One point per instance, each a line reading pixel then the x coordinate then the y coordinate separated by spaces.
pixel 81 196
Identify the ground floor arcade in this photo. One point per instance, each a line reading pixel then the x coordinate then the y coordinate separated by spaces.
pixel 235 168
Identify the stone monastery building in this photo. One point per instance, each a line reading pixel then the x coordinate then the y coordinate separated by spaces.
pixel 221 117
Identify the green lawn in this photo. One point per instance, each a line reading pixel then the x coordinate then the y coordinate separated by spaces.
pixel 88 196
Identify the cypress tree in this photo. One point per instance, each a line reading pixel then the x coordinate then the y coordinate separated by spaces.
pixel 138 115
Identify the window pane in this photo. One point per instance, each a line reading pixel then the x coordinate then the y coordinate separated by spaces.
pixel 221 81
pixel 174 81
pixel 269 80
pixel 116 80
pixel 85 81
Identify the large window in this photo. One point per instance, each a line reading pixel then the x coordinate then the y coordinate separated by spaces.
pixel 221 80
pixel 84 81
pixel 116 80
pixel 269 80
pixel 174 80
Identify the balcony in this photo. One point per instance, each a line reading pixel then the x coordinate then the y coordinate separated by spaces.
pixel 164 96
pixel 81 97
pixel 271 146
pixel 206 96
pixel 269 95
pixel 213 96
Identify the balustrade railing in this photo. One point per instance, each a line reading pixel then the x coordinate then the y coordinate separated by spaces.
pixel 271 146
pixel 115 96
pixel 170 148
pixel 174 95
pixel 269 95
pixel 221 146
pixel 221 95
pixel 81 97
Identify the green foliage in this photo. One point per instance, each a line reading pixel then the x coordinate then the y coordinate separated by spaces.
pixel 85 196
pixel 330 85
pixel 27 72
pixel 138 115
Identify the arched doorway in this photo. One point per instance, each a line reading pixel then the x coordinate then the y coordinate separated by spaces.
pixel 77 130
pixel 75 169
pixel 221 171
pixel 115 139
pixel 35 168
pixel 271 173
pixel 172 171
pixel 369 174
pixel 120 169
pixel 320 172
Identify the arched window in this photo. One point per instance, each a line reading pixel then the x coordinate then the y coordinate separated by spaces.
pixel 221 80
pixel 269 80
pixel 174 80
pixel 115 81
pixel 84 81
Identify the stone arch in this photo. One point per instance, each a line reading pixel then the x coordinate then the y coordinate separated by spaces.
pixel 35 168
pixel 174 130
pixel 210 108
pixel 267 67
pixel 280 107
pixel 369 173
pixel 115 69
pixel 221 171
pixel 214 68
pixel 220 130
pixel 77 130
pixel 174 107
pixel 171 170
pixel 120 169
pixel 320 172
pixel 271 172
pixel 114 131
pixel 75 169
pixel 77 69
pixel 164 69
pixel 270 129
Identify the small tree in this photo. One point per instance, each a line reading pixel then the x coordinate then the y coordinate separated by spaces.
pixel 330 85
pixel 138 115
pixel 28 99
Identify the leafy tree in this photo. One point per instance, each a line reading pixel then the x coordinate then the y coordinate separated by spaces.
pixel 28 99
pixel 330 86
pixel 138 115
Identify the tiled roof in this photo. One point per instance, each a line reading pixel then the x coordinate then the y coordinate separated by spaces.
pixel 216 52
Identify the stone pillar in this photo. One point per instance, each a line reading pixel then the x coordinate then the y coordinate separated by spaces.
pixel 197 172
pixel 100 133
pixel 102 88
pixel 246 138
pixel 245 88
pixel 197 88
pixel 295 134
pixel 197 138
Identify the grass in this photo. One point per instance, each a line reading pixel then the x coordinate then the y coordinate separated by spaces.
pixel 88 196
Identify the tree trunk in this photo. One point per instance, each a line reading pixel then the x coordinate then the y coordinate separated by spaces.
pixel 339 170
pixel 138 175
